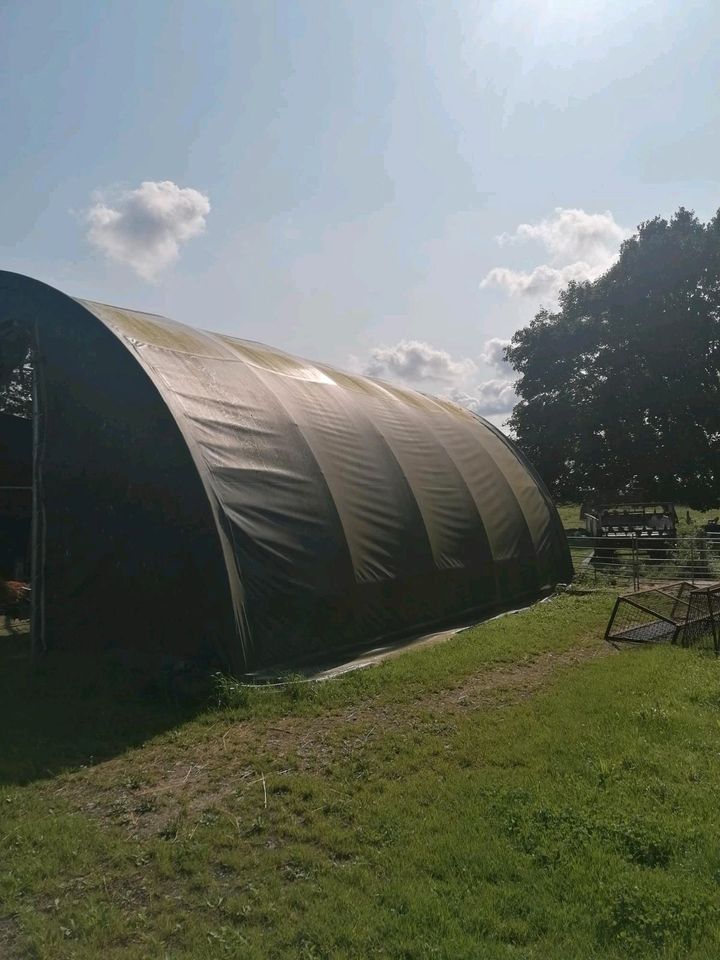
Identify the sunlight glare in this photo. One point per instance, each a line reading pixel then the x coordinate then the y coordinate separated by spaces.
pixel 559 22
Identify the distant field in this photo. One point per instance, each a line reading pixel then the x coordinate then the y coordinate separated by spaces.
pixel 616 574
pixel 570 515
pixel 517 792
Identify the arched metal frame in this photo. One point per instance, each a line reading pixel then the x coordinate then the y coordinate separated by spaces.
pixel 253 506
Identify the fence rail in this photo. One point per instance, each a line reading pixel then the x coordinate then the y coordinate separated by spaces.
pixel 604 562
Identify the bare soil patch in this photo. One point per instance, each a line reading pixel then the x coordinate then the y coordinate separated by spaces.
pixel 9 939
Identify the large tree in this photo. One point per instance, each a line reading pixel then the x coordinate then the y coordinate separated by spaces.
pixel 620 387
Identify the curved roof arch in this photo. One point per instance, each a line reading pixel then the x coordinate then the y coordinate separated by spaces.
pixel 314 509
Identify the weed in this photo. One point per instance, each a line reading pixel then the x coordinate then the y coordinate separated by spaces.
pixel 229 692
pixel 297 687
pixel 642 920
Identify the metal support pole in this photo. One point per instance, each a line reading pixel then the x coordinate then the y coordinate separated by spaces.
pixel 635 563
pixel 692 560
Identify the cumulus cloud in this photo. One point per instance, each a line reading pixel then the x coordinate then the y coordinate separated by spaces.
pixel 491 397
pixel 493 353
pixel 582 246
pixel 420 364
pixel 544 280
pixel 573 234
pixel 414 361
pixel 145 227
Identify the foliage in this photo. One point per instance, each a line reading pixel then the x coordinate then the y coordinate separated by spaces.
pixel 16 375
pixel 620 387
pixel 396 813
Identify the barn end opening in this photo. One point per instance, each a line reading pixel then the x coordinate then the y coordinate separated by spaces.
pixel 102 511
pixel 16 443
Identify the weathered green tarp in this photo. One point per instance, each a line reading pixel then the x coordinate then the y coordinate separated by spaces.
pixel 199 495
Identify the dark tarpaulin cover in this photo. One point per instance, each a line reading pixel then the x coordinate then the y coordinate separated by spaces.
pixel 201 495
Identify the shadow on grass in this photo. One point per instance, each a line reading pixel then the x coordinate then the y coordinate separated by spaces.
pixel 61 711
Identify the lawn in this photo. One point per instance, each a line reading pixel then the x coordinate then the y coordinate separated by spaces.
pixel 519 791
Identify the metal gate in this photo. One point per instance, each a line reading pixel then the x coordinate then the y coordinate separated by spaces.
pixel 600 564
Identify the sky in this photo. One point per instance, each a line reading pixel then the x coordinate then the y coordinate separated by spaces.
pixel 393 188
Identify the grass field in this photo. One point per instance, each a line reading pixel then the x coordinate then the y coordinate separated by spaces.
pixel 520 791
pixel 570 516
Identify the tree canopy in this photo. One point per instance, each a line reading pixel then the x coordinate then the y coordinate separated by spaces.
pixel 620 387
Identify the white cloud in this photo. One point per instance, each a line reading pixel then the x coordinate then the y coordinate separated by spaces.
pixel 543 281
pixel 144 228
pixel 493 353
pixel 491 397
pixel 416 362
pixel 573 234
pixel 582 246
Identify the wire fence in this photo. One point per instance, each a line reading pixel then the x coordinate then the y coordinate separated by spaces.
pixel 608 562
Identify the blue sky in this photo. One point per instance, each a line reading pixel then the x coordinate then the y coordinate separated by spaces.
pixel 360 162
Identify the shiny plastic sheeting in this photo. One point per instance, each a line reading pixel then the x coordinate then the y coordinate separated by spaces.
pixel 285 508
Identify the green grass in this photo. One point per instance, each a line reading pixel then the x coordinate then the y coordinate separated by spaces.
pixel 507 794
pixel 570 515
